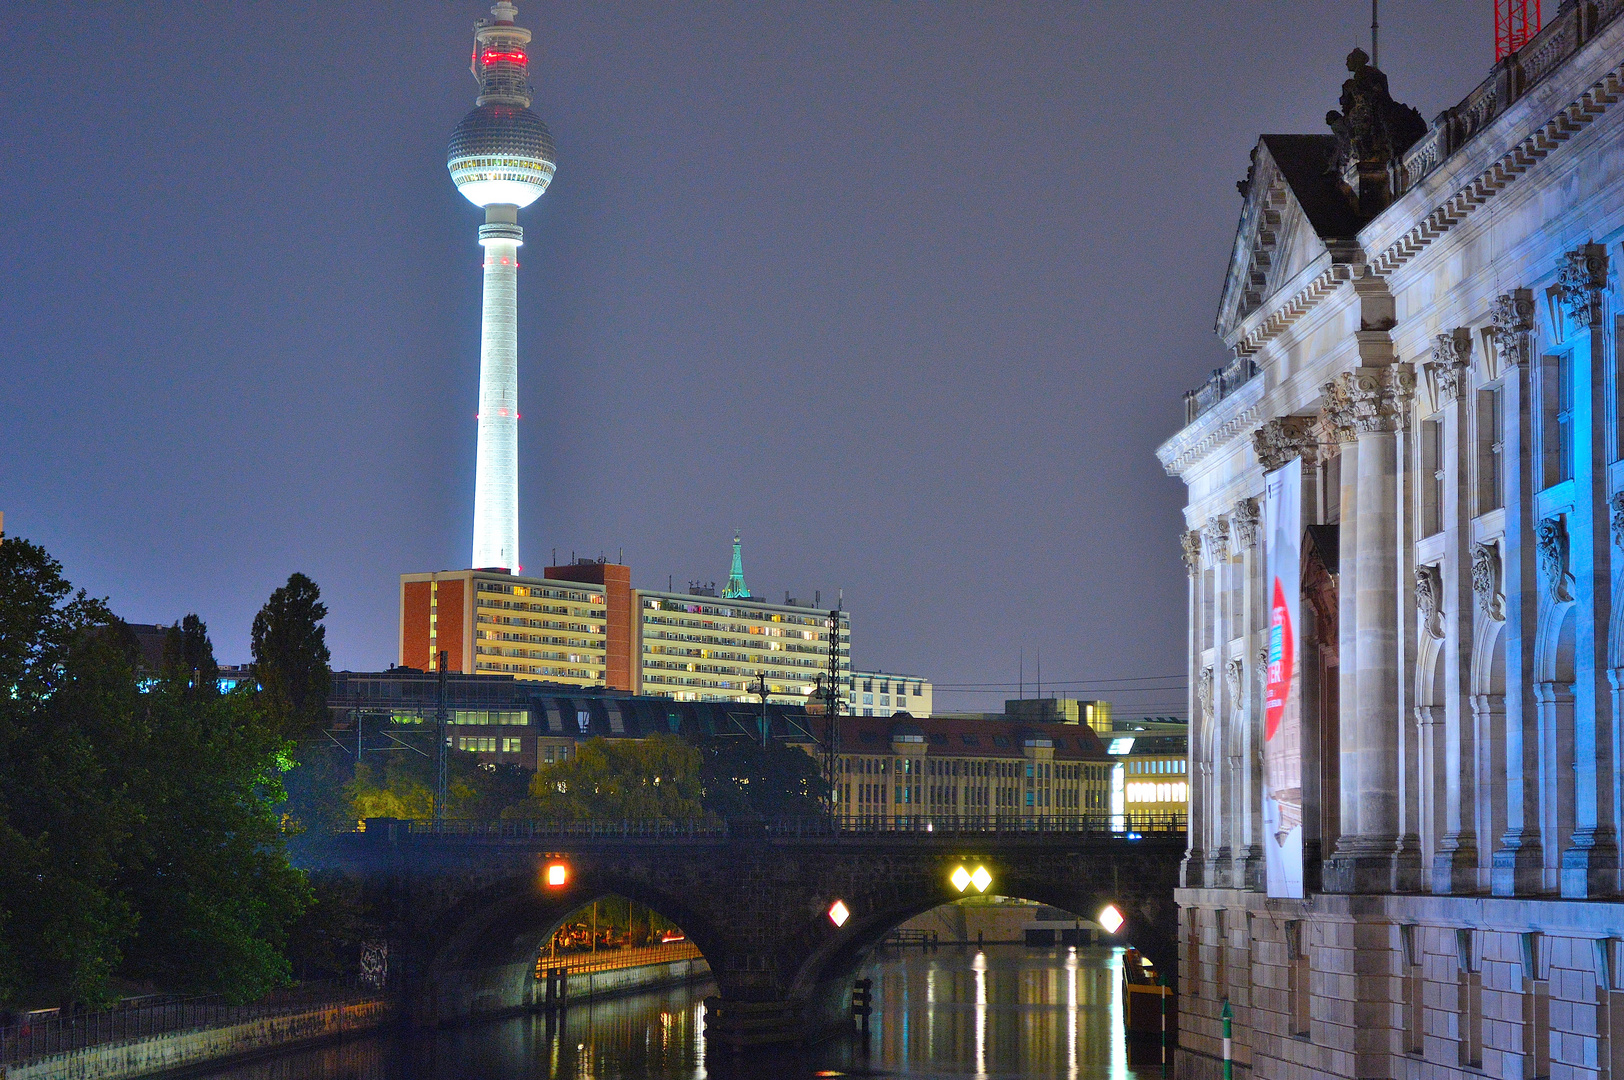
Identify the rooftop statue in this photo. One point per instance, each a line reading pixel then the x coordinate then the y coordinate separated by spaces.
pixel 1372 128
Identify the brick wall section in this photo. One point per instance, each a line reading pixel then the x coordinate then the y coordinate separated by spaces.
pixel 414 624
pixel 453 631
pixel 1358 985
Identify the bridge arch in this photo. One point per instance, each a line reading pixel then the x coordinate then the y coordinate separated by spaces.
pixel 482 951
pixel 835 961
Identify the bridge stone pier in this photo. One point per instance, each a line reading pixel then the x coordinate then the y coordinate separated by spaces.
pixel 469 911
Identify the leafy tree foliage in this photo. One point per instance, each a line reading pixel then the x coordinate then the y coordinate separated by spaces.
pixel 652 779
pixel 402 786
pixel 291 658
pixel 139 836
pixel 743 779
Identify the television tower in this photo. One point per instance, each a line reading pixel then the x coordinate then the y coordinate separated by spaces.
pixel 501 158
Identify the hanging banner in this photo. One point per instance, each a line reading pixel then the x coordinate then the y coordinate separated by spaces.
pixel 1283 697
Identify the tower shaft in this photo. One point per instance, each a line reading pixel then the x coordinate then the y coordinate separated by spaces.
pixel 496 462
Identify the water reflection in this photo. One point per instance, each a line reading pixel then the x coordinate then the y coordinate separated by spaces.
pixel 1004 1011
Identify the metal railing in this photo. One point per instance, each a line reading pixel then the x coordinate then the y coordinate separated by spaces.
pixel 1099 824
pixel 578 963
pixel 42 1035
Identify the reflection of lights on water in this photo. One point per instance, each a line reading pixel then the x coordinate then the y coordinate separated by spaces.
pixel 979 966
pixel 1071 1013
pixel 1119 1032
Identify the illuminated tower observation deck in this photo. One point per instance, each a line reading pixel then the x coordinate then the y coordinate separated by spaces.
pixel 502 158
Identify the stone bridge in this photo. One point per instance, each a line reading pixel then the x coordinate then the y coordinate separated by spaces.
pixel 469 908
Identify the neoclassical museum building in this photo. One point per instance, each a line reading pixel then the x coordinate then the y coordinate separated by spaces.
pixel 1405 549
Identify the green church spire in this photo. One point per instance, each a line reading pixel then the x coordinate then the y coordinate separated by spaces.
pixel 736 588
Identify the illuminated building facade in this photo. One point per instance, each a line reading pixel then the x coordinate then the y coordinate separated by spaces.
pixel 881 693
pixel 698 647
pixel 537 629
pixel 1425 327
pixel 933 767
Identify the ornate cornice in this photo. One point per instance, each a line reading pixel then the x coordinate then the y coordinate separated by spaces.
pixel 1491 181
pixel 1237 413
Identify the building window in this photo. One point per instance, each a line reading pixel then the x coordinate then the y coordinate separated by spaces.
pixel 1490 450
pixel 1432 477
pixel 512 746
pixel 1556 410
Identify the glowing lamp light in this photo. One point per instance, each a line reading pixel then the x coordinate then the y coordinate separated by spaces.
pixel 1111 919
pixel 839 913
pixel 557 875
pixel 981 879
pixel 960 879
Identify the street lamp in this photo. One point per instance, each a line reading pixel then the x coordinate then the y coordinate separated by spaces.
pixel 1111 918
pixel 839 913
pixel 962 878
pixel 558 875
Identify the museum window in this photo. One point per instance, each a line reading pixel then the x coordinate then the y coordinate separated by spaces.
pixel 1298 977
pixel 1556 415
pixel 1490 450
pixel 1432 477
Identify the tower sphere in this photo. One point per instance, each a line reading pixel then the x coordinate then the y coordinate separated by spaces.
pixel 501 154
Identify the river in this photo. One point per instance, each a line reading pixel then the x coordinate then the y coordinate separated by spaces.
pixel 1004 1011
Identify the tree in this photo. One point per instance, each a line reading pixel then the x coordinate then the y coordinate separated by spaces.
pixel 139 830
pixel 402 786
pixel 189 657
pixel 743 779
pixel 65 697
pixel 652 779
pixel 291 657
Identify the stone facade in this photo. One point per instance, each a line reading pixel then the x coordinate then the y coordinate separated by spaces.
pixel 1433 321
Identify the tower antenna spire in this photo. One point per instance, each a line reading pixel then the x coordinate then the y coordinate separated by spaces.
pixel 501 158
pixel 1375 26
pixel 736 588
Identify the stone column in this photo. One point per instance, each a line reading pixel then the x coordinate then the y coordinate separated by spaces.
pixel 1246 823
pixel 1455 860
pixel 1215 540
pixel 1508 581
pixel 1195 855
pixel 1590 864
pixel 1369 855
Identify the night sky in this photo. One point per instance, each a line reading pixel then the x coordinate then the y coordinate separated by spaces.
pixel 908 293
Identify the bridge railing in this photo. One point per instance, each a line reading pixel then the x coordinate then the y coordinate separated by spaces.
pixel 40 1035
pixel 1125 827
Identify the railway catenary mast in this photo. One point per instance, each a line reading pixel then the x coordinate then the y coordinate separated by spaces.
pixel 501 158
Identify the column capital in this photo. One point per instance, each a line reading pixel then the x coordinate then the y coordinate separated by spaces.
pixel 1580 282
pixel 1446 371
pixel 1215 536
pixel 1244 525
pixel 1370 399
pixel 1191 543
pixel 1512 323
pixel 1283 438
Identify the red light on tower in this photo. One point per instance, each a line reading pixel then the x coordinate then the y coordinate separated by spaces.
pixel 1515 24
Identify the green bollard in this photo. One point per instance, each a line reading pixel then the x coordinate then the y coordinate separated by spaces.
pixel 1229 1062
